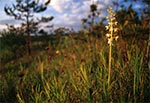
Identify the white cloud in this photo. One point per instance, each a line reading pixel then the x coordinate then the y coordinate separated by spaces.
pixel 2 27
pixel 70 12
pixel 61 5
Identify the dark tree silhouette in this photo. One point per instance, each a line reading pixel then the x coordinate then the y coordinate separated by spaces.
pixel 91 22
pixel 24 10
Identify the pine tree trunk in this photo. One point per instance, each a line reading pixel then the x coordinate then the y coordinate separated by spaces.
pixel 28 40
pixel 28 43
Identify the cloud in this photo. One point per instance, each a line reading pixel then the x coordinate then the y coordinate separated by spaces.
pixel 2 27
pixel 68 12
pixel 9 21
pixel 61 5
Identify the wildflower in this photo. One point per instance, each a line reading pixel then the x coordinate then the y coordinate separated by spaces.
pixel 112 29
pixel 116 38
pixel 107 35
pixel 109 41
pixel 107 27
pixel 111 35
pixel 115 29
pixel 57 52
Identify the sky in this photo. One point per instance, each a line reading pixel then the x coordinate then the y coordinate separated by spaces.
pixel 67 13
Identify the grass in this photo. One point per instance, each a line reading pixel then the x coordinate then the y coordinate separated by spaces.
pixel 78 73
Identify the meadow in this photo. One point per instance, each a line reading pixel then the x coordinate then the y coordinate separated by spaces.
pixel 74 69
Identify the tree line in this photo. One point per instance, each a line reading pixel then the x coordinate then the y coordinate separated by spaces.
pixel 131 24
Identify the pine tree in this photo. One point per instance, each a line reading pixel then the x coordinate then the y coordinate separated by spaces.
pixel 24 11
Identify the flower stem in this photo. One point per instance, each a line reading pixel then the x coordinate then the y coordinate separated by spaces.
pixel 110 56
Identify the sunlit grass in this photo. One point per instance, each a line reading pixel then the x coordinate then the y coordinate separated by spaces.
pixel 78 73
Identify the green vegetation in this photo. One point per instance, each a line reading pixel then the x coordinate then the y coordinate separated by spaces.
pixel 72 69
pixel 76 67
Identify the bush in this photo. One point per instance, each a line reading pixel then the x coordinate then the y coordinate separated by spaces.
pixel 12 43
